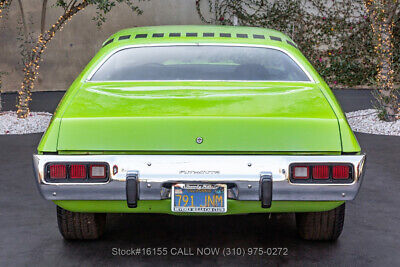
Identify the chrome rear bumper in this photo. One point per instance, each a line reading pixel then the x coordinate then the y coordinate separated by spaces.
pixel 156 173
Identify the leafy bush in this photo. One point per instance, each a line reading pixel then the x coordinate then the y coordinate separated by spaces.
pixel 335 36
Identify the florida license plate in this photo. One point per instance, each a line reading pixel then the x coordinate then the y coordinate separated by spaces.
pixel 209 198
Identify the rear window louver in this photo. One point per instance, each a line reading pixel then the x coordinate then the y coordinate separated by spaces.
pixel 108 42
pixel 242 35
pixel 194 34
pixel 274 38
pixel 291 43
pixel 258 36
pixel 224 35
pixel 124 37
pixel 141 36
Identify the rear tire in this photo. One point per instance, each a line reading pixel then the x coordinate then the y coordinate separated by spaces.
pixel 324 225
pixel 80 226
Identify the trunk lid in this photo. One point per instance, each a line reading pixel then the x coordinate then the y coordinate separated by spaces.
pixel 241 117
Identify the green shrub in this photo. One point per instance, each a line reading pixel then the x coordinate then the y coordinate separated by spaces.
pixel 335 36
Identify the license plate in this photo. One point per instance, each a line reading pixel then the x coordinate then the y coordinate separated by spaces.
pixel 209 198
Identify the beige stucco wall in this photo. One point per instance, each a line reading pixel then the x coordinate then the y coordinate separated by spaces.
pixel 77 43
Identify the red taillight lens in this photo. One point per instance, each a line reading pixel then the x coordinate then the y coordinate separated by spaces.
pixel 341 172
pixel 58 171
pixel 301 172
pixel 98 171
pixel 321 172
pixel 77 172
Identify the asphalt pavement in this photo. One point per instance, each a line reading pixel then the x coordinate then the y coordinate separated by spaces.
pixel 29 233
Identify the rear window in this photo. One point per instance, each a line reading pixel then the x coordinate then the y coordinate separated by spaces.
pixel 204 62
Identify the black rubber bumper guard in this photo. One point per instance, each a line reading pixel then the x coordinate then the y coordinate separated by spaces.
pixel 266 190
pixel 132 190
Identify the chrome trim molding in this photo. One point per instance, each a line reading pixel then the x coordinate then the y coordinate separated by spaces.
pixel 98 66
pixel 157 172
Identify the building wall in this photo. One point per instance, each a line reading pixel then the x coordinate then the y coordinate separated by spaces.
pixel 73 47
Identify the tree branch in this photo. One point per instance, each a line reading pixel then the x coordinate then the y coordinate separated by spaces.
pixel 43 18
pixel 393 11
pixel 32 67
pixel 21 9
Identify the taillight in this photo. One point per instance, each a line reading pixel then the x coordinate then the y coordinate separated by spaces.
pixel 320 172
pixel 98 171
pixel 58 171
pixel 324 173
pixel 301 172
pixel 74 172
pixel 341 172
pixel 77 171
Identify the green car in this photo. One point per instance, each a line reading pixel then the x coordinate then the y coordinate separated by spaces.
pixel 199 120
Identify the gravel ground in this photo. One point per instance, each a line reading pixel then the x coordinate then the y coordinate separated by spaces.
pixel 367 121
pixel 36 122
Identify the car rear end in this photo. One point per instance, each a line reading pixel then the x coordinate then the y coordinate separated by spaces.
pixel 192 146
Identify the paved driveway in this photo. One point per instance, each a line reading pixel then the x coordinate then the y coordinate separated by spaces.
pixel 29 234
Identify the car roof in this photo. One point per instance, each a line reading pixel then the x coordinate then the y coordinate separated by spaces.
pixel 198 34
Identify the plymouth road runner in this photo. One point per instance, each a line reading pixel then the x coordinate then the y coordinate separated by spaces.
pixel 199 120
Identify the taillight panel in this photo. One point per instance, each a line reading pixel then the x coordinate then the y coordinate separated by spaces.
pixel 77 172
pixel 57 171
pixel 322 173
pixel 301 172
pixel 340 172
pixel 97 171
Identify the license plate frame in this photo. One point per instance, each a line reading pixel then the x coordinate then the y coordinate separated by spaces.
pixel 213 190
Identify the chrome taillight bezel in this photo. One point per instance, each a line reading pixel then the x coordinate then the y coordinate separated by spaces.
pixel 330 180
pixel 68 178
